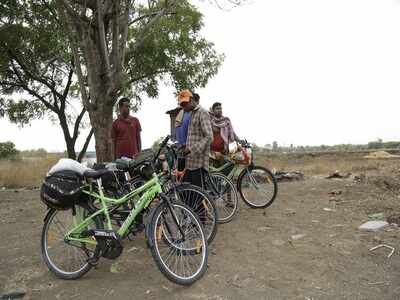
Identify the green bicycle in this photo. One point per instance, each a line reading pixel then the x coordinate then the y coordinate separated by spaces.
pixel 256 185
pixel 76 234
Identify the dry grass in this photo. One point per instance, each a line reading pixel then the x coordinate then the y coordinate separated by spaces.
pixel 326 164
pixel 30 172
pixel 25 173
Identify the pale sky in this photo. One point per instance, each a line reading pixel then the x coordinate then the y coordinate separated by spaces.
pixel 296 71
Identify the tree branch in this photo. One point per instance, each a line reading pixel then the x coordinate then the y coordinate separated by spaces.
pixel 76 60
pixel 24 86
pixel 124 36
pixel 68 85
pixel 85 146
pixel 31 75
pixel 115 53
pixel 72 13
pixel 146 28
pixel 102 36
pixel 149 16
pixel 87 3
pixel 135 79
pixel 77 123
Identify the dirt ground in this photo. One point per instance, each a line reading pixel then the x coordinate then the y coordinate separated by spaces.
pixel 253 257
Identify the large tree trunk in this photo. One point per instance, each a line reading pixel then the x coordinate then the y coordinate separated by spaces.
pixel 103 65
pixel 101 120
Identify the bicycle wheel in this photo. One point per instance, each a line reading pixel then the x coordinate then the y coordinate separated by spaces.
pixel 224 193
pixel 200 202
pixel 257 187
pixel 181 258
pixel 67 260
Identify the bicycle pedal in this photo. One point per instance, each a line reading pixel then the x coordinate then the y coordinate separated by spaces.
pixel 93 261
pixel 131 236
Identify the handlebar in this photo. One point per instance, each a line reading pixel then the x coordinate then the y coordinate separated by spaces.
pixel 245 144
pixel 162 146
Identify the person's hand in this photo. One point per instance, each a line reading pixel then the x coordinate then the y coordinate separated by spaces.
pixel 219 156
pixel 186 151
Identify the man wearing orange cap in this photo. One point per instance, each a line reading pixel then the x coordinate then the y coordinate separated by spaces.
pixel 182 120
pixel 199 138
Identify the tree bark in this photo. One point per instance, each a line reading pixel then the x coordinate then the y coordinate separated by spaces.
pixel 101 120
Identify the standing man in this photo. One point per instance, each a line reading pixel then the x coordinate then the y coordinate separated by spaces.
pixel 125 132
pixel 182 124
pixel 223 133
pixel 198 141
pixel 182 120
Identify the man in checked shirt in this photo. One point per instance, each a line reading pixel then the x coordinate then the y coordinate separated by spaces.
pixel 200 136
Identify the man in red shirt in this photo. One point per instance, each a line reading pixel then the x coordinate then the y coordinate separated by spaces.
pixel 125 132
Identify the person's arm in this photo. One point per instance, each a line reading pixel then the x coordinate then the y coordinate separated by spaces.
pixel 138 136
pixel 235 137
pixel 206 140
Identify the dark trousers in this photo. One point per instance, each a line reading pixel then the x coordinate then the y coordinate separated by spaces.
pixel 196 177
pixel 181 163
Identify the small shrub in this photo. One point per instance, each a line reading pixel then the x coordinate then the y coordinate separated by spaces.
pixel 7 150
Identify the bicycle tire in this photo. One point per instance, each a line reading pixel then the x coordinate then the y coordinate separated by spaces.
pixel 161 264
pixel 233 201
pixel 240 184
pixel 44 243
pixel 211 230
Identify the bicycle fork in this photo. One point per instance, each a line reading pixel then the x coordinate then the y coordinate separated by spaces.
pixel 174 217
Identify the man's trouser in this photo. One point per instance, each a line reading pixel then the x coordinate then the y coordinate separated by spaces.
pixel 196 177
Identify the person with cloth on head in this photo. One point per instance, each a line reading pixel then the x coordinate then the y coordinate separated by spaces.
pixel 125 133
pixel 199 138
pixel 223 133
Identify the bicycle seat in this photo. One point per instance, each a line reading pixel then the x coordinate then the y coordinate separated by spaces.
pixel 96 174
pixel 125 164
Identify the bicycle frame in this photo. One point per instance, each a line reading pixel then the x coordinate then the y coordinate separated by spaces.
pixel 151 189
pixel 235 169
pixel 232 173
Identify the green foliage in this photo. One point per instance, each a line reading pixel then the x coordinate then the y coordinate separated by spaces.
pixel 33 42
pixel 379 144
pixel 173 52
pixel 375 145
pixel 7 150
pixel 34 60
pixel 22 112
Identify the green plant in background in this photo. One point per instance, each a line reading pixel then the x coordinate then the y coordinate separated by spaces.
pixel 7 150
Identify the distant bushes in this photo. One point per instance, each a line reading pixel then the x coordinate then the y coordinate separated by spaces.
pixel 7 150
pixel 383 145
pixel 38 153
pixel 379 144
